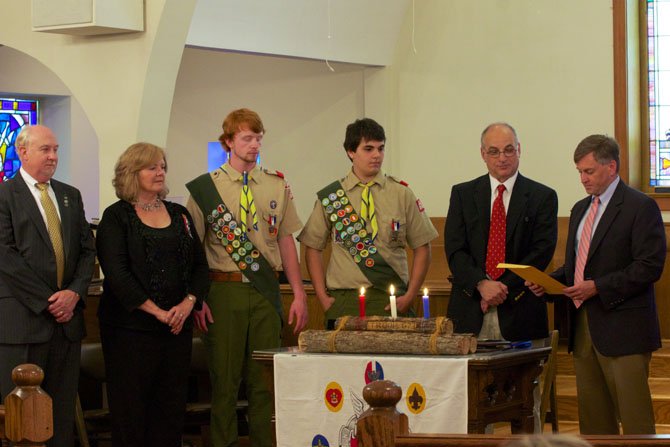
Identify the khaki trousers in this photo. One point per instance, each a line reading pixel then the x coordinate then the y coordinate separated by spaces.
pixel 611 389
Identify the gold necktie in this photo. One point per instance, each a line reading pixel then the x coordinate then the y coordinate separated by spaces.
pixel 368 207
pixel 247 204
pixel 53 227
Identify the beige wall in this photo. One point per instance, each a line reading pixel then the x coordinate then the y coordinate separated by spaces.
pixel 544 67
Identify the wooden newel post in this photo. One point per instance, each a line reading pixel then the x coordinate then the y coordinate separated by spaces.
pixel 381 423
pixel 28 410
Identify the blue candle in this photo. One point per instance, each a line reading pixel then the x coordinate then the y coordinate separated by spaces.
pixel 426 304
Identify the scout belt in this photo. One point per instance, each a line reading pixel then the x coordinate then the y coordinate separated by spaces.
pixel 237 244
pixel 351 233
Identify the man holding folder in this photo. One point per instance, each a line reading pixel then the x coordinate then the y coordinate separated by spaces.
pixel 615 252
pixel 499 217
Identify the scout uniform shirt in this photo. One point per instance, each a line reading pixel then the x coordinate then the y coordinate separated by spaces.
pixel 277 216
pixel 395 205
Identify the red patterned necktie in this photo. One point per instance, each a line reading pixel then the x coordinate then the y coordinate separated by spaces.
pixel 585 244
pixel 495 249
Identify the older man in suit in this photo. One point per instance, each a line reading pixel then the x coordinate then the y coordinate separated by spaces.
pixel 499 217
pixel 614 253
pixel 47 255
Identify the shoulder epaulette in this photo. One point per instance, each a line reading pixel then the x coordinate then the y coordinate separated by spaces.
pixel 397 180
pixel 271 172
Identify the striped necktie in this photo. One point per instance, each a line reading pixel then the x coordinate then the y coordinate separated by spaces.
pixel 247 205
pixel 54 229
pixel 368 207
pixel 585 244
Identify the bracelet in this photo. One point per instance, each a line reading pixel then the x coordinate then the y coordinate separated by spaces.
pixel 191 298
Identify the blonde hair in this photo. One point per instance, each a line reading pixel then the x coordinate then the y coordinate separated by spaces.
pixel 137 157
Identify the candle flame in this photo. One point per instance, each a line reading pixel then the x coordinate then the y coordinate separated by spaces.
pixel 425 291
pixel 392 290
pixel 362 290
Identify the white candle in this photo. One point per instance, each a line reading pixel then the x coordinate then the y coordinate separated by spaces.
pixel 394 309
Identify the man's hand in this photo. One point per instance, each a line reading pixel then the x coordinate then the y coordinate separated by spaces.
pixel 62 304
pixel 202 317
pixel 582 291
pixel 402 303
pixel 492 292
pixel 326 302
pixel 298 313
pixel 537 289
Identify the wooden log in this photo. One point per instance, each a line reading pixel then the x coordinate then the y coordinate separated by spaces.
pixel 442 325
pixel 386 342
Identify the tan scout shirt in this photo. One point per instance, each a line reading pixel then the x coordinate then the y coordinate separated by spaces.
pixel 272 197
pixel 393 202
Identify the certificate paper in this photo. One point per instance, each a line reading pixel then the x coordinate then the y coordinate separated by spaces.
pixel 530 273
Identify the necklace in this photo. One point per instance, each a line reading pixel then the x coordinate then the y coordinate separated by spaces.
pixel 149 206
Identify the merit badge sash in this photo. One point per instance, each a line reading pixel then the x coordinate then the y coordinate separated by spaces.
pixel 350 229
pixel 242 251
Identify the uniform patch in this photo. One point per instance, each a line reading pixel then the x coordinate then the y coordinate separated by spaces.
pixel 320 441
pixel 415 398
pixel 373 371
pixel 333 397
pixel 420 206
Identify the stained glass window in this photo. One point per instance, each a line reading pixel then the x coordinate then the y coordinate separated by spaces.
pixel 658 53
pixel 14 115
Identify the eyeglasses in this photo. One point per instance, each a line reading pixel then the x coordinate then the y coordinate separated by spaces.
pixel 495 153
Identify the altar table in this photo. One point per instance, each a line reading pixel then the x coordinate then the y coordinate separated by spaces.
pixel 479 389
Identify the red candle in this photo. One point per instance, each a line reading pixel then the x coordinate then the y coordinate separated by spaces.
pixel 361 303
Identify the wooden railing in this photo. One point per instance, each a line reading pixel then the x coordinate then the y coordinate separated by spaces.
pixel 26 418
pixel 382 425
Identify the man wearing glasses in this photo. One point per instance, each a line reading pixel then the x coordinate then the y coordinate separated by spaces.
pixel 499 217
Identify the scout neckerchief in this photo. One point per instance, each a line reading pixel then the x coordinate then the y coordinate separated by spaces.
pixel 242 251
pixel 368 207
pixel 247 205
pixel 350 229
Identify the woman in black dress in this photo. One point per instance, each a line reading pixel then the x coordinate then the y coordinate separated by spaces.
pixel 155 274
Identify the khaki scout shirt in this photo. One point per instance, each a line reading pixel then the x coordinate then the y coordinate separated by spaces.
pixel 273 200
pixel 393 202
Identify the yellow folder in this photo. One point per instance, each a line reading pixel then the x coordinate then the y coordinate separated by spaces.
pixel 530 273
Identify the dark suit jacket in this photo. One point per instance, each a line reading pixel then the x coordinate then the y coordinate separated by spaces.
pixel 531 239
pixel 625 258
pixel 28 263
